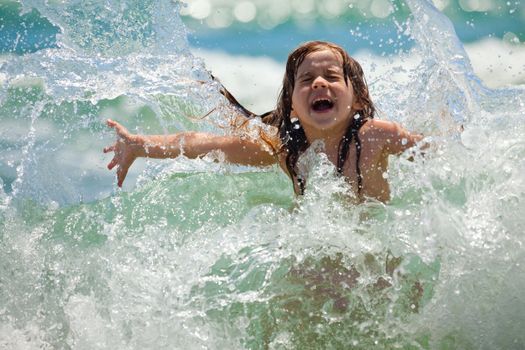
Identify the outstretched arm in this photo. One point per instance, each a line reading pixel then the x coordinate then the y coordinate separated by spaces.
pixel 129 147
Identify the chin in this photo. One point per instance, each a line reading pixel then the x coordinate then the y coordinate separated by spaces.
pixel 326 118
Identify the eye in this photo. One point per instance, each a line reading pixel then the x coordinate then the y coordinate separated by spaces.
pixel 334 77
pixel 305 79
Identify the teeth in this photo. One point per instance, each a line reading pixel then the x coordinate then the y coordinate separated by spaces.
pixel 320 104
pixel 325 100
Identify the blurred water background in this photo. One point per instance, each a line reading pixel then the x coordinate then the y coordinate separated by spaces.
pixel 202 254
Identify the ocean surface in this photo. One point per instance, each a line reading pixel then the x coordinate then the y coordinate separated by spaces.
pixel 199 254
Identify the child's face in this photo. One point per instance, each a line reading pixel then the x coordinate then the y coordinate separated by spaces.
pixel 321 99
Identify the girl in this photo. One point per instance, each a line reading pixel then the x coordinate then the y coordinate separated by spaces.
pixel 324 99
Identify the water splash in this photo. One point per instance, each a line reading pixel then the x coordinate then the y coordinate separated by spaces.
pixel 202 254
pixel 115 28
pixel 126 67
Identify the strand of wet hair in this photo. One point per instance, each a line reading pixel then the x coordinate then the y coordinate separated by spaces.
pixel 238 106
pixel 292 157
pixel 296 144
pixel 344 146
pixel 268 118
pixel 358 157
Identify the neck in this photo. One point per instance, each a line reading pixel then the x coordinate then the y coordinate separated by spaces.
pixel 330 138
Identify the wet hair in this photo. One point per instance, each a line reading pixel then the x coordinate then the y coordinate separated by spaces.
pixel 293 138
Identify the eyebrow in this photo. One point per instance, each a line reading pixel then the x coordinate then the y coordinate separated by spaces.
pixel 303 74
pixel 336 69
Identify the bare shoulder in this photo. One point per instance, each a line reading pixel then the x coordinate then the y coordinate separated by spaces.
pixel 378 131
pixel 393 137
pixel 378 127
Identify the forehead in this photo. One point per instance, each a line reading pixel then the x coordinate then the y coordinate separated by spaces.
pixel 324 59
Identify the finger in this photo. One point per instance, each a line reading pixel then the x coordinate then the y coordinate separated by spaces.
pixel 110 122
pixel 121 130
pixel 113 162
pixel 121 175
pixel 109 149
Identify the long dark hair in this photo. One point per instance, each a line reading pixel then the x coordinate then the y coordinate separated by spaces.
pixel 293 138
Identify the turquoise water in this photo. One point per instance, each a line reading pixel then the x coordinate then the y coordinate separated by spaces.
pixel 198 254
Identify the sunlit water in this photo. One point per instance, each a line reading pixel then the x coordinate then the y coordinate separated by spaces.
pixel 200 254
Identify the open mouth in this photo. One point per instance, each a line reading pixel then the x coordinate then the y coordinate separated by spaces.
pixel 322 105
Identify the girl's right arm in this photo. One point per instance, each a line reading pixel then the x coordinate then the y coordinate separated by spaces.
pixel 129 147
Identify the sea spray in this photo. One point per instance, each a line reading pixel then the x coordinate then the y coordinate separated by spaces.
pixel 201 254
pixel 81 83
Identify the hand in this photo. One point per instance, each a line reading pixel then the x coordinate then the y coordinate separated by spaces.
pixel 125 149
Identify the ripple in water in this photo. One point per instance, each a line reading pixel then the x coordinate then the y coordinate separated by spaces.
pixel 198 254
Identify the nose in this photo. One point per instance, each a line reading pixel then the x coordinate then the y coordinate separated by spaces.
pixel 319 82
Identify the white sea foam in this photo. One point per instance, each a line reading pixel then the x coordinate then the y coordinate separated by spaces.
pixel 498 63
pixel 205 258
pixel 255 80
